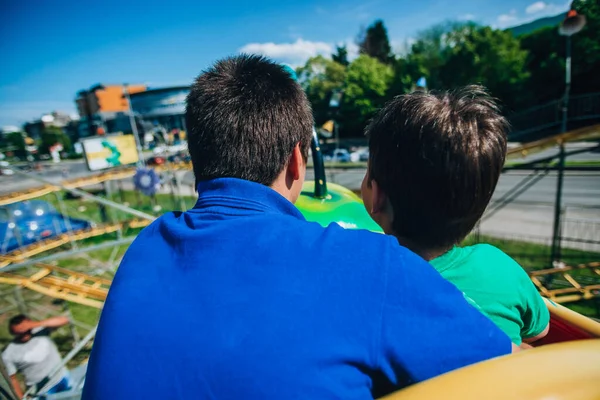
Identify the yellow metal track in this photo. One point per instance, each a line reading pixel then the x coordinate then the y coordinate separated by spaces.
pixel 63 284
pixel 577 291
pixel 33 193
pixel 57 241
pixel 537 145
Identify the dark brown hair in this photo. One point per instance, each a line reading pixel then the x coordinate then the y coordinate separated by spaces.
pixel 244 117
pixel 438 157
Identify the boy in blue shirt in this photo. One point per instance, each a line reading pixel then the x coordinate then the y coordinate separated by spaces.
pixel 241 297
pixel 434 163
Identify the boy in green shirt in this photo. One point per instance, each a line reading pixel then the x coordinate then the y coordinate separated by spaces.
pixel 434 163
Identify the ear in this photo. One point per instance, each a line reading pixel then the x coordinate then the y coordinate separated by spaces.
pixel 294 168
pixel 378 198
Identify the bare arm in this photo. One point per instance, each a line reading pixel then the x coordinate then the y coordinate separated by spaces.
pixel 537 337
pixel 16 386
pixel 54 322
pixel 515 348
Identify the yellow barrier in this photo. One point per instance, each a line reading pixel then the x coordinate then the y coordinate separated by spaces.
pixel 565 371
pixel 577 134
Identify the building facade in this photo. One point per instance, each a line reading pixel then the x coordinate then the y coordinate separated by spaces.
pixel 104 108
pixel 164 107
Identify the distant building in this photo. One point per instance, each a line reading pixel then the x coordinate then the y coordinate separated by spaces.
pixel 164 107
pixel 55 119
pixel 103 108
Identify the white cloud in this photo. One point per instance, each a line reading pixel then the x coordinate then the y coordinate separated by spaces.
pixel 536 7
pixel 534 11
pixel 466 17
pixel 402 46
pixel 351 48
pixel 295 53
pixel 507 19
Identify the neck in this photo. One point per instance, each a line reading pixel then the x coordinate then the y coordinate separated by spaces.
pixel 427 254
pixel 283 190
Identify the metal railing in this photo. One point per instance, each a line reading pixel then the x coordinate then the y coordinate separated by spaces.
pixel 546 118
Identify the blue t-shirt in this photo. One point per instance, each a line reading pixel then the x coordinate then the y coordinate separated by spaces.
pixel 240 297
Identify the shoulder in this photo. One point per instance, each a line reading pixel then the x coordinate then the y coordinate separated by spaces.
pixel 9 351
pixel 361 243
pixel 493 256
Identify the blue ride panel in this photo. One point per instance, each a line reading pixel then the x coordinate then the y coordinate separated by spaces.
pixel 28 222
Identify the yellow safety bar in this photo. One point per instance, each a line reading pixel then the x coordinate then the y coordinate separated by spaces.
pixel 565 371
pixel 577 134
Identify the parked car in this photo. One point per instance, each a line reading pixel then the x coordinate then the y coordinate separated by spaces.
pixel 338 155
pixel 359 155
pixel 4 170
pixel 156 160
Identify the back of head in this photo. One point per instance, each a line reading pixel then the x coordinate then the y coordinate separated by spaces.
pixel 16 320
pixel 244 117
pixel 438 157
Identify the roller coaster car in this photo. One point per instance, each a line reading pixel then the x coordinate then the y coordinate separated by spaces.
pixel 565 365
pixel 27 222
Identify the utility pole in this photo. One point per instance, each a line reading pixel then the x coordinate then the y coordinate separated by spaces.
pixel 138 142
pixel 572 24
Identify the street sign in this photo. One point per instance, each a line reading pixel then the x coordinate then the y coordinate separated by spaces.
pixel 106 152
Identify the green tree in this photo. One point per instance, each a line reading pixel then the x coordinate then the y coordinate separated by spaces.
pixel 51 136
pixel 486 56
pixel 341 55
pixel 546 64
pixel 374 42
pixel 586 48
pixel 367 83
pixel 319 77
pixel 427 56
pixel 16 140
pixel 546 61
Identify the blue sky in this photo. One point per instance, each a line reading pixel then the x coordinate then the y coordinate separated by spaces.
pixel 52 49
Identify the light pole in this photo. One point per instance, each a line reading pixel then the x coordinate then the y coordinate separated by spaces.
pixel 572 24
pixel 334 104
pixel 138 143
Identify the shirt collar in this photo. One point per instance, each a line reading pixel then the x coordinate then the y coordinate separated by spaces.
pixel 233 193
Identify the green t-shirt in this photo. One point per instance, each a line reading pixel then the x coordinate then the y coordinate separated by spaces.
pixel 499 286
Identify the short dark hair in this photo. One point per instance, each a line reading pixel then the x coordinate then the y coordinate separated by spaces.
pixel 438 157
pixel 16 320
pixel 244 117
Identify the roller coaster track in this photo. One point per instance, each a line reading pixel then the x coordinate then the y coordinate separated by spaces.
pixel 587 132
pixel 63 284
pixel 33 193
pixel 580 288
pixel 36 248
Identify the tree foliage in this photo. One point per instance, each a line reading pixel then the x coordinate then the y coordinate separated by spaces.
pixel 486 56
pixel 374 42
pixel 319 77
pixel 367 83
pixel 16 140
pixel 521 71
pixel 51 136
pixel 341 55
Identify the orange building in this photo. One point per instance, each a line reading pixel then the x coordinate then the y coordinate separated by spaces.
pixel 103 108
pixel 100 99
